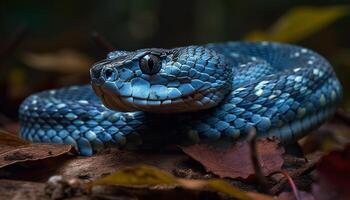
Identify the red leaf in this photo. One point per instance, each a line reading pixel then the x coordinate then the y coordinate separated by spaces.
pixel 334 176
pixel 235 161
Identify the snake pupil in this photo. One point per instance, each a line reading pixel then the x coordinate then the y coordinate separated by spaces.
pixel 108 73
pixel 150 64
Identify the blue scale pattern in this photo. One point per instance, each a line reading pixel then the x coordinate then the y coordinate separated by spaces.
pixel 210 93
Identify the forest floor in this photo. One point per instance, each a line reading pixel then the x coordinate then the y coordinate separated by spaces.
pixel 317 168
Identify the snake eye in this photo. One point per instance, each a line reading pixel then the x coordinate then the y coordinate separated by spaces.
pixel 150 64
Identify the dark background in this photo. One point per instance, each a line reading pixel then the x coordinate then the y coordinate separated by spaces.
pixel 54 45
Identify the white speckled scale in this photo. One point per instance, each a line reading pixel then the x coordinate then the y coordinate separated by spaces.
pixel 210 93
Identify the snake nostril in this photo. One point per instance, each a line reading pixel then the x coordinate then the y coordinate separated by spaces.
pixel 109 74
pixel 95 71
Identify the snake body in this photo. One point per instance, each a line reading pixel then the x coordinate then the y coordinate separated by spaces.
pixel 210 93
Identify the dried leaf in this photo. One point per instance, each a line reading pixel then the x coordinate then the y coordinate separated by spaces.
pixel 235 161
pixel 32 152
pixel 64 61
pixel 334 176
pixel 11 127
pixel 108 162
pixel 142 175
pixel 9 139
pixel 148 177
pixel 299 23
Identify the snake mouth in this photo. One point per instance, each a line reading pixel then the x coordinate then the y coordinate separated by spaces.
pixel 187 103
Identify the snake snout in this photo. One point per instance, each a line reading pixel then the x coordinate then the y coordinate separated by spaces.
pixel 95 74
pixel 100 74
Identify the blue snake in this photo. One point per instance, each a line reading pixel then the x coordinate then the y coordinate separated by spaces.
pixel 213 93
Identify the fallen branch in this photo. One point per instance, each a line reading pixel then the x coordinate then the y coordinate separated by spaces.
pixel 256 164
pixel 309 166
pixel 291 184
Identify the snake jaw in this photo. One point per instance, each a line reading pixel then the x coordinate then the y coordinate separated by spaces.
pixel 191 102
pixel 110 100
pixel 97 89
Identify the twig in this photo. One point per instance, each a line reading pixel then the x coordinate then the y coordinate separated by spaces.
pixel 289 159
pixel 291 184
pixel 309 166
pixel 256 164
pixel 12 45
pixel 102 42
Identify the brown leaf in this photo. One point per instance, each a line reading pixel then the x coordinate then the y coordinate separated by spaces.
pixel 235 161
pixel 334 176
pixel 32 152
pixel 111 160
pixel 14 150
pixel 18 157
pixel 9 139
pixel 12 127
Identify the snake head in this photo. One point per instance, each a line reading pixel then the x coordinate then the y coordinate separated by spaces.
pixel 162 80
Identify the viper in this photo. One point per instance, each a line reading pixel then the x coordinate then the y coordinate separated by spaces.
pixel 213 93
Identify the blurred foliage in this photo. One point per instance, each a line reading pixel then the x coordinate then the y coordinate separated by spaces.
pixel 299 23
pixel 58 49
pixel 64 61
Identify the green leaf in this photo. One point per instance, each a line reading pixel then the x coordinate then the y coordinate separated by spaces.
pixel 148 176
pixel 141 175
pixel 299 23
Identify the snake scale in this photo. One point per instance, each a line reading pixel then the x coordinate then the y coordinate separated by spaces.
pixel 213 93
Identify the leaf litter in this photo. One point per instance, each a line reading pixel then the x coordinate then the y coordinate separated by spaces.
pixel 234 161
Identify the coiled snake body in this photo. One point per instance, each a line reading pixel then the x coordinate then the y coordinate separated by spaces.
pixel 211 93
